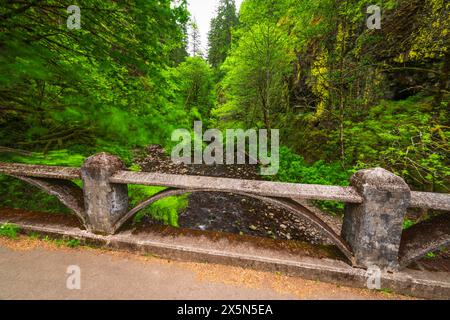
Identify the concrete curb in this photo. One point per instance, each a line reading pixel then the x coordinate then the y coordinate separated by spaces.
pixel 422 284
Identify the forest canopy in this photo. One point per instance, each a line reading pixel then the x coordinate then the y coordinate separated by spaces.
pixel 340 91
pixel 344 96
pixel 108 85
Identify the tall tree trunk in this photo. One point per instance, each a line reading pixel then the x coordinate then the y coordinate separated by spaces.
pixel 341 89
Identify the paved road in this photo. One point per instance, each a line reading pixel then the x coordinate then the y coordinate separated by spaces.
pixel 40 272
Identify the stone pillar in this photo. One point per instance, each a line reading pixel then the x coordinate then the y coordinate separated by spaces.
pixel 373 228
pixel 105 202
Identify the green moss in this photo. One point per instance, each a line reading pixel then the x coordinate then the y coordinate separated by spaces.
pixel 53 158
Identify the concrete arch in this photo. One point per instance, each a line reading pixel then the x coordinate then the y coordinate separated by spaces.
pixel 424 237
pixel 65 190
pixel 285 203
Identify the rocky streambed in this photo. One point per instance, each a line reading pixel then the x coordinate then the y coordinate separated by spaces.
pixel 233 213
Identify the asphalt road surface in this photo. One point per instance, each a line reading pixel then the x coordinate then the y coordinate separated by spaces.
pixel 34 269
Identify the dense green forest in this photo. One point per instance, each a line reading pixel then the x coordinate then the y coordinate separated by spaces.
pixel 344 97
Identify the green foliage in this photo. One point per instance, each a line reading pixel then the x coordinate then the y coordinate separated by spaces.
pixel 255 71
pixel 59 242
pixel 71 243
pixel 294 169
pixel 407 223
pixel 98 88
pixel 386 291
pixel 34 235
pixel 220 33
pixel 135 168
pixel 195 87
pixel 52 158
pixel 341 93
pixel 430 255
pixel 9 230
pixel 344 97
pixel 404 137
pixel 165 210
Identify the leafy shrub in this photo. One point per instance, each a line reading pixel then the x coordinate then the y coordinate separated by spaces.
pixel 294 169
pixel 405 138
pixel 9 230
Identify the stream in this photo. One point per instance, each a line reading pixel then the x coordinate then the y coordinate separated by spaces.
pixel 233 213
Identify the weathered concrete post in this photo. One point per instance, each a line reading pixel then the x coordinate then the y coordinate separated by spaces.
pixel 373 228
pixel 105 202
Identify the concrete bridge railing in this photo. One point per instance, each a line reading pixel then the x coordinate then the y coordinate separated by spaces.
pixel 375 204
